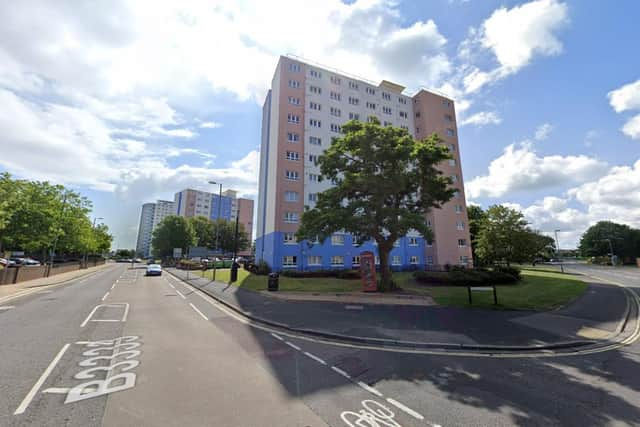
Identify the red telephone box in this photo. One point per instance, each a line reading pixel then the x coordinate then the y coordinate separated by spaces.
pixel 368 271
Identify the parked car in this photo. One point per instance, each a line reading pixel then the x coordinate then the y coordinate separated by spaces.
pixel 7 262
pixel 25 261
pixel 154 270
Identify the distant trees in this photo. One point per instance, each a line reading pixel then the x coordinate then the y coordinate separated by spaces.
pixel 173 232
pixel 36 216
pixel 504 235
pixel 625 241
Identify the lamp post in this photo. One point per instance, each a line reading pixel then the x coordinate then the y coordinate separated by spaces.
pixel 93 228
pixel 610 250
pixel 558 250
pixel 219 212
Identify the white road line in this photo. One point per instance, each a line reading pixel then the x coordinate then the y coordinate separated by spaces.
pixel 406 409
pixel 171 285
pixel 105 296
pixel 83 324
pixel 180 293
pixel 60 390
pixel 369 388
pixel 277 336
pixel 113 286
pixel 292 345
pixel 198 311
pixel 314 357
pixel 29 397
pixel 341 372
pixel 7 307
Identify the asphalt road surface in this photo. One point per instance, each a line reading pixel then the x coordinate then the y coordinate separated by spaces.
pixel 120 349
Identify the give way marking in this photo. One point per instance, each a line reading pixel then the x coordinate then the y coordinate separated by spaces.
pixel 123 305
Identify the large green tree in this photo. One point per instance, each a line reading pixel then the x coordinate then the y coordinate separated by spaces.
pixel 625 241
pixel 384 182
pixel 173 232
pixel 227 240
pixel 476 216
pixel 204 230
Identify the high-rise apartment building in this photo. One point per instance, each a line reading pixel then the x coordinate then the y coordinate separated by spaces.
pixel 151 215
pixel 189 203
pixel 303 111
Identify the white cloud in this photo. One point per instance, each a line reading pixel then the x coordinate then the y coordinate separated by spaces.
pixel 626 97
pixel 210 125
pixel 520 168
pixel 543 131
pixel 632 127
pixel 482 118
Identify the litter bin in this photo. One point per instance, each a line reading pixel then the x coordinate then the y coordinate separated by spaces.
pixel 234 272
pixel 273 281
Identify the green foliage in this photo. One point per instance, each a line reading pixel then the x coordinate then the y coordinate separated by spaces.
pixel 125 253
pixel 384 182
pixel 469 277
pixel 261 268
pixel 208 232
pixel 475 215
pixel 625 241
pixel 173 232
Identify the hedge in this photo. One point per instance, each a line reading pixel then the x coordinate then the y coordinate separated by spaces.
pixel 499 275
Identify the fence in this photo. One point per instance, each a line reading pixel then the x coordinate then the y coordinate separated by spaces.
pixel 12 275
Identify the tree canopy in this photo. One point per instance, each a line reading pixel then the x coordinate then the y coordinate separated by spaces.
pixel 625 241
pixel 384 182
pixel 173 232
pixel 209 232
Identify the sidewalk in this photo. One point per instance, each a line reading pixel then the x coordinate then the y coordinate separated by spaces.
pixel 24 288
pixel 597 315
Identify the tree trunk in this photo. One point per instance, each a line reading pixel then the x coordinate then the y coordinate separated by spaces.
pixel 386 283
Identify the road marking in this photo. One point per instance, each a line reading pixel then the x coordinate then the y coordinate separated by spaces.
pixel 180 293
pixel 45 292
pixel 171 285
pixel 277 336
pixel 113 286
pixel 341 372
pixel 29 397
pixel 292 345
pixel 353 307
pixel 198 311
pixel 405 409
pixel 314 357
pixel 105 296
pixel 7 307
pixel 57 390
pixel 115 304
pixel 369 388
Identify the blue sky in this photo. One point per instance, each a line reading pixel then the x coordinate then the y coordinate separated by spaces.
pixel 128 102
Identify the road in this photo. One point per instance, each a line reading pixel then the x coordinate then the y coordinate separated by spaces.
pixel 118 349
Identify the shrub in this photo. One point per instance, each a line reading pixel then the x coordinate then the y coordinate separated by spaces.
pixel 261 268
pixel 511 271
pixel 465 277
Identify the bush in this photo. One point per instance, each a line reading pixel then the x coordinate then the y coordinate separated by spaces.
pixel 186 264
pixel 467 277
pixel 511 271
pixel 261 268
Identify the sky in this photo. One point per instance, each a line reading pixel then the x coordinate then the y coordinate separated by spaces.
pixel 129 102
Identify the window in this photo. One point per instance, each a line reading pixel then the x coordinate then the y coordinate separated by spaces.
pixel 429 260
pixel 290 217
pixel 371 105
pixel 428 243
pixel 294 101
pixel 335 128
pixel 462 242
pixel 448 118
pixel 354 241
pixel 315 106
pixel 314 140
pixel 377 260
pixel 371 119
pixel 289 238
pixel 386 110
pixel 335 80
pixel 316 74
pixel 450 132
pixel 337 240
pixel 313 158
pixel 291 175
pixel 294 84
pixel 354 116
pixel 396 244
pixel 313 197
pixel 452 162
pixel 403 114
pixel 386 123
pixel 353 85
pixel 370 90
pixel 460 225
pixel 291 196
pixel 355 260
pixel 289 261
pixel 292 118
pixel 294 67
pixel 417 130
pixel 293 137
pixel 337 260
pixel 354 101
pixel 464 260
pixel 452 147
pixel 446 103
pixel 313 177
pixel 314 260
pixel 335 112
pixel 386 96
pixel 458 208
pixel 413 241
pixel 395 260
pixel 428 223
pixel 402 101
pixel 456 194
pixel 335 96
pixel 315 123
pixel 315 89
pixel 293 155
pixel 417 114
pixel 413 259
pixel 454 178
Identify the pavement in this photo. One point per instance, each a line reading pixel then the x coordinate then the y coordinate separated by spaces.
pixel 118 349
pixel 597 315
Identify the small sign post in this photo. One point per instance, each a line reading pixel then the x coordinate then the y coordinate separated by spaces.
pixel 368 271
pixel 177 253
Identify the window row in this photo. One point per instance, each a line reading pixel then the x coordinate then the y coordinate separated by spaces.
pixel 338 260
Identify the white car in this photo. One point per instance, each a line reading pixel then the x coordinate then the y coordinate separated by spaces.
pixel 154 270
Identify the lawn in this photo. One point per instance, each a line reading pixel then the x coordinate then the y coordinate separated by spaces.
pixel 538 290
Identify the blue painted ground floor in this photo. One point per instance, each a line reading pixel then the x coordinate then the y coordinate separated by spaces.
pixel 339 252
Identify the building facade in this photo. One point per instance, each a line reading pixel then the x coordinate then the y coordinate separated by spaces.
pixel 302 112
pixel 145 228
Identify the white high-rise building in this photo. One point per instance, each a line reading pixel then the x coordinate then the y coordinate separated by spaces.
pixel 151 215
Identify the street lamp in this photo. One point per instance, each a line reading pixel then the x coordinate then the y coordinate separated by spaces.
pixel 610 250
pixel 558 250
pixel 219 211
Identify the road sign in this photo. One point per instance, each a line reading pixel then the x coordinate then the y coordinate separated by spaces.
pixel 177 253
pixel 368 271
